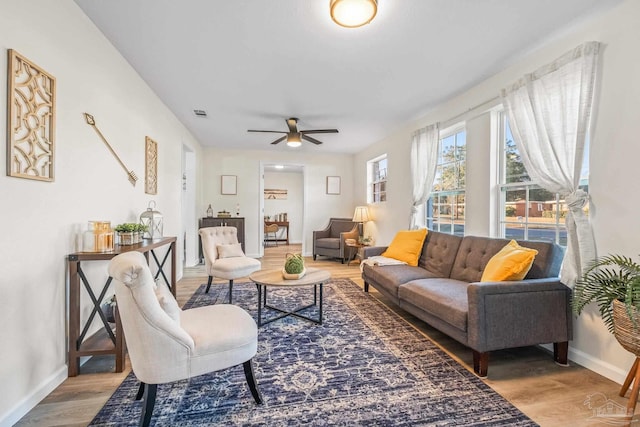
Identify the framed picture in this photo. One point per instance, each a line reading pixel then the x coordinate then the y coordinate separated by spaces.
pixel 333 185
pixel 151 166
pixel 229 184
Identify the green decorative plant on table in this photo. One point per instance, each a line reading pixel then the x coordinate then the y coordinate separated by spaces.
pixel 130 233
pixel 294 267
pixel 613 283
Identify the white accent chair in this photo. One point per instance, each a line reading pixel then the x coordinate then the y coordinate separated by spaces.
pixel 168 344
pixel 223 256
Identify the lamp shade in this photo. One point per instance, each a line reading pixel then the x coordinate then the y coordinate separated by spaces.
pixel 361 214
pixel 353 13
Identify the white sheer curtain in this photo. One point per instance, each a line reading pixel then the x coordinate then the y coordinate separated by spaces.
pixel 549 112
pixel 424 159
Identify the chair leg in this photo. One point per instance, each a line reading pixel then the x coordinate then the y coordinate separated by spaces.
pixel 366 286
pixel 230 290
pixel 148 404
pixel 314 257
pixel 209 284
pixel 141 389
pixel 251 380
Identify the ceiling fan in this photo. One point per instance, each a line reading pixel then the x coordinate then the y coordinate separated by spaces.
pixel 294 136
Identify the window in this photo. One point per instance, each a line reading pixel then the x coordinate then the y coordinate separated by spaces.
pixel 377 179
pixel 445 208
pixel 528 212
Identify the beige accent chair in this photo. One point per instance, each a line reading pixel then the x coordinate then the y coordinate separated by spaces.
pixel 223 256
pixel 168 344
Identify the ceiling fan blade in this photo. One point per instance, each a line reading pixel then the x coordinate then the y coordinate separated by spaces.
pixel 267 131
pixel 319 131
pixel 308 138
pixel 279 140
pixel 293 124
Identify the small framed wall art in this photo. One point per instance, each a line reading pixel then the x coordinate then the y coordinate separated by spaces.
pixel 333 185
pixel 151 166
pixel 229 184
pixel 31 118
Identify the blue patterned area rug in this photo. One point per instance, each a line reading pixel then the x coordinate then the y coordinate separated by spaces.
pixel 363 366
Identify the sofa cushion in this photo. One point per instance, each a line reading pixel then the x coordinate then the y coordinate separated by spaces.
pixel 512 262
pixel 443 298
pixel 390 277
pixel 439 253
pixel 328 242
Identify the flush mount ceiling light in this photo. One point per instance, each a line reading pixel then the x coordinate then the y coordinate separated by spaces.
pixel 353 13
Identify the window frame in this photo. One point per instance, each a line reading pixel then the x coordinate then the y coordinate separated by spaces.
pixel 377 186
pixel 558 225
pixel 435 222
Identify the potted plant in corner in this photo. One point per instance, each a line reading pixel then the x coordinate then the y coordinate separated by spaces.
pixel 613 283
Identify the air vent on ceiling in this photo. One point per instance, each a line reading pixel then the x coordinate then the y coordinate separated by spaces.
pixel 200 113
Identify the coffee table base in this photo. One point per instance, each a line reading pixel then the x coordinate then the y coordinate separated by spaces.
pixel 262 304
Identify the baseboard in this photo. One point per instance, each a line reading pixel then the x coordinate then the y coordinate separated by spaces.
pixel 30 401
pixel 598 366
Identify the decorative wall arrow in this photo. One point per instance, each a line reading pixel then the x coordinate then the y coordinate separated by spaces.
pixel 91 121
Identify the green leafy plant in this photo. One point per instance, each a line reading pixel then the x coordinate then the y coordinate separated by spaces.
pixel 294 264
pixel 131 227
pixel 607 279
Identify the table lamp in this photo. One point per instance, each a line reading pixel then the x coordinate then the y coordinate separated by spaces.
pixel 361 215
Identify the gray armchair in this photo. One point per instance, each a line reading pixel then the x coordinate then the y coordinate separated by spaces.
pixel 330 241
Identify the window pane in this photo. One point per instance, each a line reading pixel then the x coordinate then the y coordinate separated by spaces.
pixel 514 230
pixel 514 168
pixel 544 233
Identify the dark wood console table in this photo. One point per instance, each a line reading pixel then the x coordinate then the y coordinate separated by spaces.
pixel 105 340
pixel 283 224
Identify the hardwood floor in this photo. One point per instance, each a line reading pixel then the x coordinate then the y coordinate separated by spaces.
pixel 550 394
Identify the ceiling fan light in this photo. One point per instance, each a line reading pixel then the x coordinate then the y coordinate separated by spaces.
pixel 353 13
pixel 294 139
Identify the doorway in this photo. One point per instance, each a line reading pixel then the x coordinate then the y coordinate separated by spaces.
pixel 282 197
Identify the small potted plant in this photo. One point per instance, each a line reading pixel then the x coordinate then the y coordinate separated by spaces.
pixel 126 233
pixel 140 229
pixel 294 267
pixel 613 283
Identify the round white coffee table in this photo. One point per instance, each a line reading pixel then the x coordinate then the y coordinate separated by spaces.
pixel 313 277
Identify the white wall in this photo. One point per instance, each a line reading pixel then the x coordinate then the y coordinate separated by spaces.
pixel 39 220
pixel 318 206
pixel 293 182
pixel 614 156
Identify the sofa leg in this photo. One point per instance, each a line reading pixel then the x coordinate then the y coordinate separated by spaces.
pixel 480 363
pixel 561 353
pixel 366 287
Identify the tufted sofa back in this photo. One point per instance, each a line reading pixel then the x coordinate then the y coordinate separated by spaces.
pixel 475 252
pixel 439 253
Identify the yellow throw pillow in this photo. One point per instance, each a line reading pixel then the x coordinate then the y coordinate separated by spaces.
pixel 512 262
pixel 407 246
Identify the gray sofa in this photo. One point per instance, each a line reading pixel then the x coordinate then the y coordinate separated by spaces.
pixel 445 291
pixel 330 241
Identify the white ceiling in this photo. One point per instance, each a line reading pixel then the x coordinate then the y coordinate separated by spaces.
pixel 250 64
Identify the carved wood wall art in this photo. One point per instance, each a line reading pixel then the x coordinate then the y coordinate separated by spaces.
pixel 130 174
pixel 30 119
pixel 151 166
